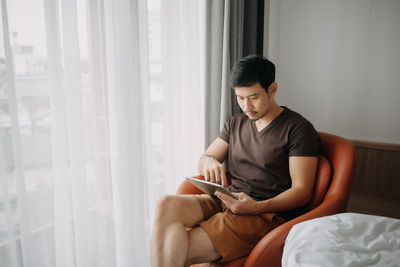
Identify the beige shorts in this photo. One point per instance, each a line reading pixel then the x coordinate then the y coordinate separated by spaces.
pixel 234 236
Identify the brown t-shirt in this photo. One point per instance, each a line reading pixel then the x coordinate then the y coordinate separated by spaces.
pixel 259 161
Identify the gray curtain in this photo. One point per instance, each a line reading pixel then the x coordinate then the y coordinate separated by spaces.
pixel 234 28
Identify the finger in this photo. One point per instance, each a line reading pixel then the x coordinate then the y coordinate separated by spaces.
pixel 240 195
pixel 212 176
pixel 217 176
pixel 223 177
pixel 220 196
pixel 206 175
pixel 226 199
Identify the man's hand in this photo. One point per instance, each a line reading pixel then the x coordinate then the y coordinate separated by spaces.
pixel 210 163
pixel 243 205
pixel 214 171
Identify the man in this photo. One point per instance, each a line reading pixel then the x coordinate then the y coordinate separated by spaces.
pixel 272 156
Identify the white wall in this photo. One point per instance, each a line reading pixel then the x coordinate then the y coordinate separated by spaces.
pixel 338 64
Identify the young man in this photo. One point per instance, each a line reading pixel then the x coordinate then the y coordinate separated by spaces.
pixel 272 156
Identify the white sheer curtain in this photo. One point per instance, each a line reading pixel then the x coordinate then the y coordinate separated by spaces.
pixel 100 115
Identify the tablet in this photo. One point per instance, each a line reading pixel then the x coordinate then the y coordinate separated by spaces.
pixel 209 188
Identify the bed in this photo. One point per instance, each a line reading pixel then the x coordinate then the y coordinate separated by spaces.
pixel 345 239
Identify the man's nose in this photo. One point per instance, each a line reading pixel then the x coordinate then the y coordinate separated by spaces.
pixel 248 104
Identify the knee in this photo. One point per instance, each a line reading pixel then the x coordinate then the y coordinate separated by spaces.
pixel 167 208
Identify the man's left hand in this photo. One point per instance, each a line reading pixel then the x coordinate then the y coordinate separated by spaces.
pixel 243 205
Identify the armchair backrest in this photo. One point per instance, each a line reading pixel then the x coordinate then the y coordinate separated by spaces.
pixel 341 155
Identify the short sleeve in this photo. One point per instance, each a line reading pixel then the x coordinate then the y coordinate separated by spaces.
pixel 224 135
pixel 304 140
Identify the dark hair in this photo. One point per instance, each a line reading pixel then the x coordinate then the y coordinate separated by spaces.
pixel 251 69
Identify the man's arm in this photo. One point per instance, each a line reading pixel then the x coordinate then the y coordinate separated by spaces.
pixel 210 163
pixel 302 171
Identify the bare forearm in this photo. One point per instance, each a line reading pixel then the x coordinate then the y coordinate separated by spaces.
pixel 290 199
pixel 302 172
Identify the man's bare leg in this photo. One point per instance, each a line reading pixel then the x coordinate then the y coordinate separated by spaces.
pixel 171 242
pixel 201 249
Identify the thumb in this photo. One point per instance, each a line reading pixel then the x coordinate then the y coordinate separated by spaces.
pixel 240 195
pixel 221 196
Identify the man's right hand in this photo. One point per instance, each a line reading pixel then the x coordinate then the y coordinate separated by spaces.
pixel 213 170
pixel 210 163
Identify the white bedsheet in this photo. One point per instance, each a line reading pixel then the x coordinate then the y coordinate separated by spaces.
pixel 346 239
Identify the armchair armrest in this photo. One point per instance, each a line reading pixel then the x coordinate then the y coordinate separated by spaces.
pixel 187 188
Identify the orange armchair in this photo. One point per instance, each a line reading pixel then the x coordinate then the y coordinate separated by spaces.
pixel 330 195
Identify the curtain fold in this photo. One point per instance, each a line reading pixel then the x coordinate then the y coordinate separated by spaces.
pixel 182 53
pixel 17 179
pixel 233 29
pixel 72 84
pixel 59 137
pixel 100 115
pixel 125 85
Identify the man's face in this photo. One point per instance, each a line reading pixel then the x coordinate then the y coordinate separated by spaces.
pixel 253 100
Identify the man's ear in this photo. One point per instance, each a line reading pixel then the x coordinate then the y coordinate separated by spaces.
pixel 272 89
